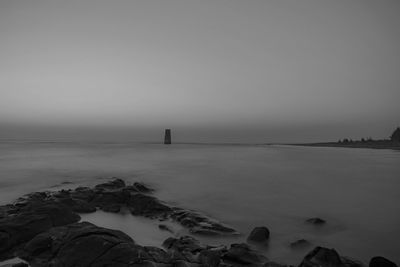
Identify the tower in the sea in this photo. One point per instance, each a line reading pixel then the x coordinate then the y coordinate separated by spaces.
pixel 167 137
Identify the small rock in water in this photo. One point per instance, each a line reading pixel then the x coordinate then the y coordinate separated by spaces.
pixel 259 234
pixel 301 243
pixel 316 221
pixel 381 262
pixel 320 257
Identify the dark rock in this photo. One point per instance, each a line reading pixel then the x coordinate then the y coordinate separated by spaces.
pixel 210 258
pixel 20 264
pixel 316 221
pixel 199 224
pixel 381 262
pixel 31 220
pixel 148 206
pixel 321 257
pixel 184 243
pixel 243 254
pixel 111 208
pixel 274 264
pixel 180 263
pixel 111 185
pixel 347 262
pixel 301 243
pixel 81 244
pixel 259 234
pixel 158 255
pixel 38 212
pixel 142 188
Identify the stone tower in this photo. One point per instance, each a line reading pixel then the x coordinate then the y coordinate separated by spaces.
pixel 167 137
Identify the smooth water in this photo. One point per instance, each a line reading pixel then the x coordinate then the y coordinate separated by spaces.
pixel 355 190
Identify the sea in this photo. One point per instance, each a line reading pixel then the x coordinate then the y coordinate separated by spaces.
pixel 357 191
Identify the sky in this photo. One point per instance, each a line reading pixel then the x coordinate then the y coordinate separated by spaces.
pixel 213 71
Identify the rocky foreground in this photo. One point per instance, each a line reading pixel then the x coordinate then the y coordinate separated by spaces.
pixel 43 229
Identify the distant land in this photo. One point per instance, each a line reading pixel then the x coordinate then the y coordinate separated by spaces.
pixel 392 143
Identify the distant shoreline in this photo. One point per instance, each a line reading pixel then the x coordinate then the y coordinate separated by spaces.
pixel 376 144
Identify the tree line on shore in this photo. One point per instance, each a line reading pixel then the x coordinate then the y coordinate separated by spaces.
pixel 395 137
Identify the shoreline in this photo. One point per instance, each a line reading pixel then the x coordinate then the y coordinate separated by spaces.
pixel 379 144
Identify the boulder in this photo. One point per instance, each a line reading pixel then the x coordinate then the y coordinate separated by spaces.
pixel 381 262
pixel 322 257
pixel 259 235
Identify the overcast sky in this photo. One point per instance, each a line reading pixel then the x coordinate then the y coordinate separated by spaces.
pixel 225 70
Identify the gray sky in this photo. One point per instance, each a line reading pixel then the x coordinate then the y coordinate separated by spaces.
pixel 226 70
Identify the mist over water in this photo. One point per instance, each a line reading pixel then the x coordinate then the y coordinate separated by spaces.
pixel 354 190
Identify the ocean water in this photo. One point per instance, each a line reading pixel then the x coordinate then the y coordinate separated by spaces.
pixel 355 190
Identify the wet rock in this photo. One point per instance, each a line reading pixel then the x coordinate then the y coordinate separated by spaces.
pixel 301 243
pixel 158 255
pixel 381 262
pixel 40 211
pixel 259 235
pixel 81 244
pixel 142 188
pixel 243 254
pixel 210 258
pixel 347 262
pixel 316 221
pixel 184 243
pixel 199 224
pixel 31 220
pixel 140 204
pixel 274 264
pixel 115 184
pixel 321 257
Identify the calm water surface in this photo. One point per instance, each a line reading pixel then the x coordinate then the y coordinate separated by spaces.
pixel 355 190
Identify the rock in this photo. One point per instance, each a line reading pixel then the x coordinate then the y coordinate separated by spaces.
pixel 322 257
pixel 347 262
pixel 142 188
pixel 20 264
pixel 111 185
pixel 199 224
pixel 242 254
pixel 31 220
pixel 316 221
pixel 38 212
pixel 381 262
pixel 84 244
pixel 274 264
pixel 259 235
pixel 210 258
pixel 140 204
pixel 301 243
pixel 184 243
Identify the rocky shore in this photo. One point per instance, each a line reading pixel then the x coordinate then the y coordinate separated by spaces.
pixel 44 229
